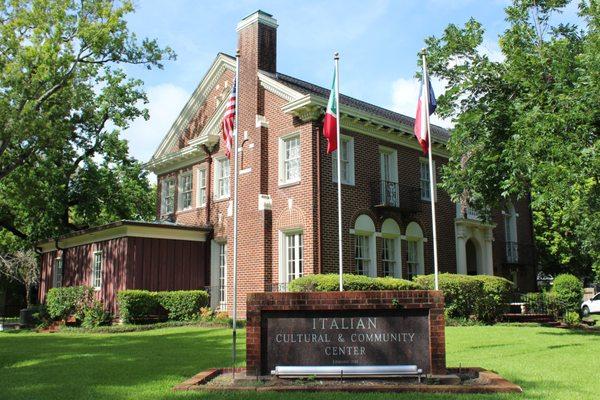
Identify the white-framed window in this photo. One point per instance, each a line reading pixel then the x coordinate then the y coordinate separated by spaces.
pixel 222 178
pixel 185 191
pixel 289 159
pixel 391 261
pixel 425 184
pixel 388 165
pixel 346 161
pixel 292 256
pixel 415 250
pixel 97 270
pixel 201 200
pixel 57 274
pixel 362 254
pixel 168 196
pixel 222 276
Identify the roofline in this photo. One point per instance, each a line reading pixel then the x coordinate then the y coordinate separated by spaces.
pixel 126 228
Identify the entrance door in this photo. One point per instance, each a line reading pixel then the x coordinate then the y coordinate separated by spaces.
pixel 389 176
pixel 471 251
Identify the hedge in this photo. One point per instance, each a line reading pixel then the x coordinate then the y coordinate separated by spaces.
pixel 183 305
pixel 69 301
pixel 143 305
pixel 483 296
pixel 330 283
pixel 569 291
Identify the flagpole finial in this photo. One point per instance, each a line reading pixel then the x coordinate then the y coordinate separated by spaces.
pixel 336 56
pixel 237 52
pixel 423 51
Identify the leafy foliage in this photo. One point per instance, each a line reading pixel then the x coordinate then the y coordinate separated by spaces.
pixel 527 125
pixel 22 267
pixel 568 290
pixel 183 305
pixel 94 315
pixel 64 99
pixel 330 283
pixel 137 305
pixel 495 298
pixel 69 301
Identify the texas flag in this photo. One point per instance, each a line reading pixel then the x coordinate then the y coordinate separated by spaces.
pixel 421 119
pixel 330 122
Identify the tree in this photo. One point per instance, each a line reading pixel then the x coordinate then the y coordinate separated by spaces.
pixel 21 267
pixel 528 124
pixel 64 98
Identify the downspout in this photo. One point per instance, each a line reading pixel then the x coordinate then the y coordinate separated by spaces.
pixel 208 159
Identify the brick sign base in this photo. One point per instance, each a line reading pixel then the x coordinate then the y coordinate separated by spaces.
pixel 345 328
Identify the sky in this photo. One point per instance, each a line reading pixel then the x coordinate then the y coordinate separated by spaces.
pixel 378 42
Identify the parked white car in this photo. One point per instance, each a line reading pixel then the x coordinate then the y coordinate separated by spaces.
pixel 591 306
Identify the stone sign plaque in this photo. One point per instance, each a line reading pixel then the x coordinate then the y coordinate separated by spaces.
pixel 358 337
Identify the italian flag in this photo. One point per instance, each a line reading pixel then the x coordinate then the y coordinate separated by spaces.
pixel 330 122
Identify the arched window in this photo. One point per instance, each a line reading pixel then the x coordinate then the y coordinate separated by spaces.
pixel 510 233
pixel 414 250
pixel 390 249
pixel 364 246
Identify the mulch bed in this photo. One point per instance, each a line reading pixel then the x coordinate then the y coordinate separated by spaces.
pixel 465 380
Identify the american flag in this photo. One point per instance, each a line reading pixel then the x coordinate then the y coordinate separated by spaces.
pixel 229 121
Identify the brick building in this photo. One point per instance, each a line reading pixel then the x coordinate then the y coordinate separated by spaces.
pixel 288 186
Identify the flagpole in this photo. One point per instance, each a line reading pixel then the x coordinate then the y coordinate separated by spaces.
pixel 235 204
pixel 336 58
pixel 431 175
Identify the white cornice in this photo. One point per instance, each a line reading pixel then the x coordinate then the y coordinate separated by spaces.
pixel 311 106
pixel 278 88
pixel 220 65
pixel 176 160
pixel 154 232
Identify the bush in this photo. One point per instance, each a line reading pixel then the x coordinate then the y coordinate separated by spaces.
pixel 543 303
pixel 183 305
pixel 569 291
pixel 68 301
pixel 571 318
pixel 94 316
pixel 137 305
pixel 330 283
pixel 461 292
pixel 495 298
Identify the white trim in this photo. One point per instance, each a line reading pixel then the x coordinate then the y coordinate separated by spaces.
pixel 163 195
pixel 199 203
pixel 94 277
pixel 282 254
pixel 180 191
pixel 221 63
pixel 217 169
pixel 278 88
pixel 425 162
pixel 258 16
pixel 127 231
pixel 282 141
pixel 57 282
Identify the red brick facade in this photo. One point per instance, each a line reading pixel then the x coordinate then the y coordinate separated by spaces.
pixel 309 205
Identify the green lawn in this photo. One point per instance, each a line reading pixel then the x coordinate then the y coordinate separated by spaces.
pixel 546 362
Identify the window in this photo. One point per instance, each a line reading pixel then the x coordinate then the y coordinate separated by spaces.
pixel 388 165
pixel 58 273
pixel 425 184
pixel 362 255
pixel 346 160
pixel 97 270
pixel 390 248
pixel 222 178
pixel 168 196
pixel 414 248
pixel 293 256
pixel 223 276
pixel 201 187
pixel 510 234
pixel 289 159
pixel 185 191
pixel 413 259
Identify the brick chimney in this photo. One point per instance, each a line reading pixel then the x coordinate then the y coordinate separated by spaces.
pixel 257 41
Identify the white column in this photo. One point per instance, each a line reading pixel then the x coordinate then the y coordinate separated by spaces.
pixel 488 252
pixel 461 252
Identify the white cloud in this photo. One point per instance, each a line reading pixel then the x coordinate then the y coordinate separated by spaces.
pixel 165 102
pixel 405 93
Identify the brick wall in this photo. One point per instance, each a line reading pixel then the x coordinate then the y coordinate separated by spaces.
pixel 259 303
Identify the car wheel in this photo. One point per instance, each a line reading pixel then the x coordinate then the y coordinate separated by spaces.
pixel 585 311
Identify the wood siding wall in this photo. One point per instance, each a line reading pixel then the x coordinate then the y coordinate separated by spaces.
pixel 131 263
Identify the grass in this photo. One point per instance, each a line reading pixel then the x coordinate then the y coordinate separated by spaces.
pixel 546 362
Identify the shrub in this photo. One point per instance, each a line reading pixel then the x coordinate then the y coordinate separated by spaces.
pixel 543 303
pixel 461 292
pixel 569 291
pixel 571 318
pixel 137 305
pixel 95 316
pixel 330 283
pixel 183 305
pixel 68 301
pixel 495 298
pixel 206 313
